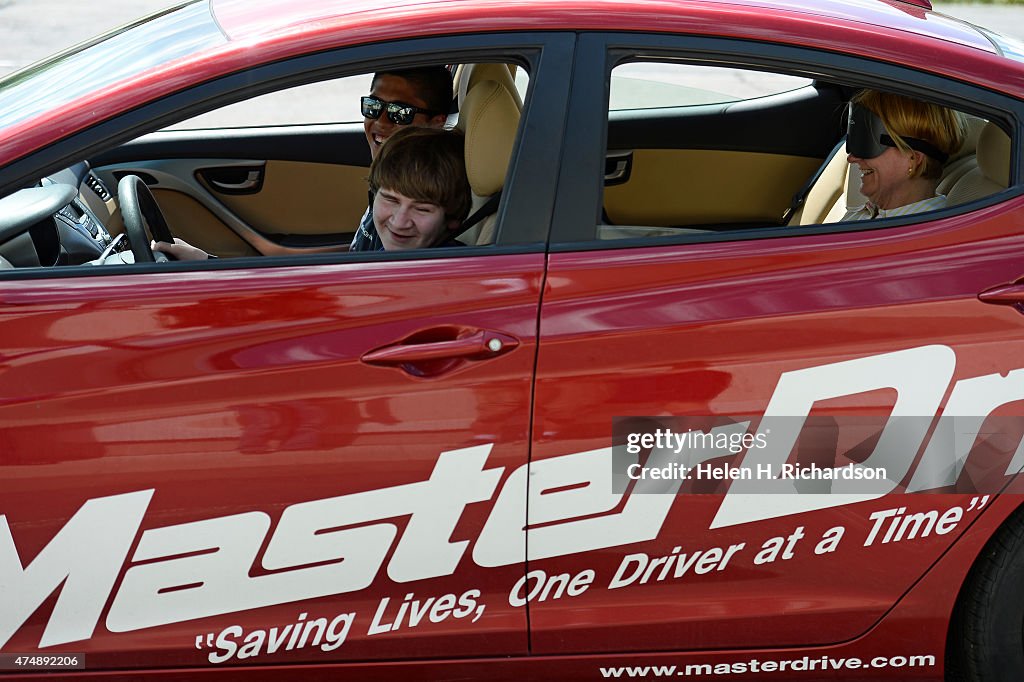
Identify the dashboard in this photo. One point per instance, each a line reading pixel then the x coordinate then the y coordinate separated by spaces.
pixel 62 220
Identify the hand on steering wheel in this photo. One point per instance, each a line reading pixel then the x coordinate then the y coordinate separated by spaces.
pixel 142 219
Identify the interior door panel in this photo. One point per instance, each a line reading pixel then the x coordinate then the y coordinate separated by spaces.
pixel 192 221
pixel 301 198
pixel 717 166
pixel 668 187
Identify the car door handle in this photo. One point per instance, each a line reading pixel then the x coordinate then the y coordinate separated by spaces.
pixel 423 357
pixel 252 179
pixel 617 167
pixel 1005 294
pixel 234 179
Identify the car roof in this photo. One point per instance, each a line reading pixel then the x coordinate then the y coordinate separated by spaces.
pixel 248 19
pixel 250 33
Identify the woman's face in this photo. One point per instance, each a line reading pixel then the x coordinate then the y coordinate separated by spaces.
pixel 885 179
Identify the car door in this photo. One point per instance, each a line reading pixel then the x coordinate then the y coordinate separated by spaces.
pixel 699 331
pixel 279 460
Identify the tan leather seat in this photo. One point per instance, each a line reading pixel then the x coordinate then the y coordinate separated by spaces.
pixel 828 192
pixel 991 173
pixel 468 75
pixel 964 160
pixel 489 117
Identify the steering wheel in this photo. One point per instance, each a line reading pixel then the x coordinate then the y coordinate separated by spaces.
pixel 142 219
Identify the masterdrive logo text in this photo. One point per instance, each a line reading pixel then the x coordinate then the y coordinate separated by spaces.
pixel 812 664
pixel 341 544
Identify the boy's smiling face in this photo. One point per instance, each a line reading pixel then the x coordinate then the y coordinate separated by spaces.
pixel 405 223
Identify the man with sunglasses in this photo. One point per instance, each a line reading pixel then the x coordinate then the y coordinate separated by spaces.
pixel 420 96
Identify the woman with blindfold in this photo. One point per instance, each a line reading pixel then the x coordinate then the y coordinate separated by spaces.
pixel 900 146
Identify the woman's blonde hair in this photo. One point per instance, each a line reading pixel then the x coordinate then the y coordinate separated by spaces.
pixel 943 128
pixel 425 164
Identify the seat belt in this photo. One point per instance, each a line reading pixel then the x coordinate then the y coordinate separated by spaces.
pixel 489 207
pixel 801 196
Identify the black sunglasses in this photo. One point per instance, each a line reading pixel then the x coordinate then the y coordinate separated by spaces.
pixel 398 113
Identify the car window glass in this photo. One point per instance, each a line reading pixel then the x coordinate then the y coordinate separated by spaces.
pixel 332 101
pixel 269 187
pixel 522 80
pixel 648 85
pixel 771 160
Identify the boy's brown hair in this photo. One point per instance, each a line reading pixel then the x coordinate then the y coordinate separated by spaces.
pixel 425 164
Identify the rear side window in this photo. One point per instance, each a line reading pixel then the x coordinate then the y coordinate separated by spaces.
pixel 651 85
pixel 702 150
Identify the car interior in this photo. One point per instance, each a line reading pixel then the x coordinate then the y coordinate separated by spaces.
pixel 744 165
pixel 489 110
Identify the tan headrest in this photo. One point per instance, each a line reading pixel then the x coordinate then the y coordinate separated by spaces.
pixel 994 154
pixel 489 118
pixel 970 143
pixel 468 75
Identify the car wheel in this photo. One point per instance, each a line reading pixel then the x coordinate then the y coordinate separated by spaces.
pixel 986 639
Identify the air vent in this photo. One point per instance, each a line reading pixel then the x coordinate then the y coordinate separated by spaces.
pixel 96 185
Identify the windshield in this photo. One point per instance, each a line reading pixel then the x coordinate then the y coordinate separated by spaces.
pixel 92 66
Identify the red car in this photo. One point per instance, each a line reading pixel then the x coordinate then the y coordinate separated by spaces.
pixel 480 463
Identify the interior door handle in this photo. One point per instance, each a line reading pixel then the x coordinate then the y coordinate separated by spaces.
pixel 1005 294
pixel 422 357
pixel 241 179
pixel 617 167
pixel 251 181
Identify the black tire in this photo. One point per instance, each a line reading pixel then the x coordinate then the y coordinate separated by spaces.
pixel 986 638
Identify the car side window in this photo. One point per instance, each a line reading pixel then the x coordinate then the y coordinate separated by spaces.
pixel 330 101
pixel 283 175
pixel 652 85
pixel 694 149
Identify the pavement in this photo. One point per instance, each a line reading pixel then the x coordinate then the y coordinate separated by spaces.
pixel 33 29
pixel 1005 19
